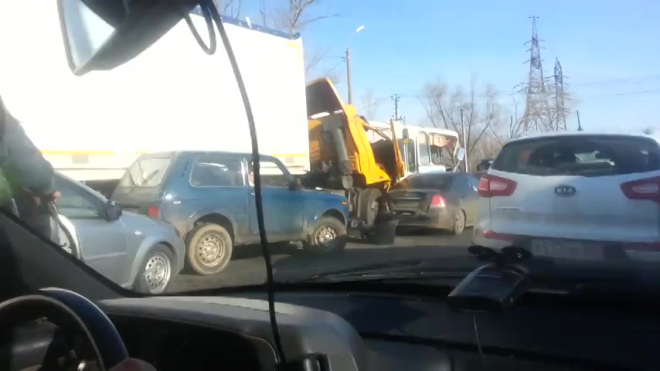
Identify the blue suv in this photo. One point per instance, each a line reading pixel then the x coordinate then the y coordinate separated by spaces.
pixel 209 198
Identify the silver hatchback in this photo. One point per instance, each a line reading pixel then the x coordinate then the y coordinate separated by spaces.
pixel 132 250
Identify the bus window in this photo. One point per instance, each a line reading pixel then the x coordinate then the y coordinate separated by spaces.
pixel 424 149
pixel 410 158
pixel 440 150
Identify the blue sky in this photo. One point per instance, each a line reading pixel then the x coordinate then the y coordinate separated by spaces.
pixel 609 50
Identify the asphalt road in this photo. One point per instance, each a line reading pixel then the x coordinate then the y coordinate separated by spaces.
pixel 291 262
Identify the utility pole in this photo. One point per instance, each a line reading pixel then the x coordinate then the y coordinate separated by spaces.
pixel 465 145
pixel 536 103
pixel 578 117
pixel 348 76
pixel 349 79
pixel 396 98
pixel 560 110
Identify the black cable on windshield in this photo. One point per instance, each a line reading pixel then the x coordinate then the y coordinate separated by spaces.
pixel 208 8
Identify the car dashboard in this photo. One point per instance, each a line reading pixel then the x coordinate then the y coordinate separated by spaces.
pixel 380 332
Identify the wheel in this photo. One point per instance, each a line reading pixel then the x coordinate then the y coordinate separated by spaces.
pixel 368 204
pixel 459 223
pixel 208 248
pixel 327 236
pixel 155 271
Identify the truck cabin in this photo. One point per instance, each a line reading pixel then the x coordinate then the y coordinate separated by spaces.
pixel 339 147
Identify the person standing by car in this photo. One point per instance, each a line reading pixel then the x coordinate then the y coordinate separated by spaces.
pixel 26 179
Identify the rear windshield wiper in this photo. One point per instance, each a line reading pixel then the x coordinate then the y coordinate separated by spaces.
pixel 149 176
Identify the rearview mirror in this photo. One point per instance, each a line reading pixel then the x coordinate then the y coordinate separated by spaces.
pixel 101 34
pixel 112 211
pixel 460 154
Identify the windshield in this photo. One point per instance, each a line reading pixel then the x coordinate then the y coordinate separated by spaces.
pixel 552 146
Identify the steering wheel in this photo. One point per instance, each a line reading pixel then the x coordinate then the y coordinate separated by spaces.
pixel 73 313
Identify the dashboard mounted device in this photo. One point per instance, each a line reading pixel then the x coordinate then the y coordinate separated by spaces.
pixel 492 287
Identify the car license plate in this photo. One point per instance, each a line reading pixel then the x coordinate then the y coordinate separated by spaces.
pixel 407 205
pixel 567 250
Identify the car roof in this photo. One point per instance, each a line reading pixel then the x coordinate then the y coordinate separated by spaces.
pixel 198 153
pixel 558 134
pixel 429 173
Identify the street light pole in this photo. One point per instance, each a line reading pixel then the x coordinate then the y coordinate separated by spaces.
pixel 349 78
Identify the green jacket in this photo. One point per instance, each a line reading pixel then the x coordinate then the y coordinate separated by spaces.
pixel 22 166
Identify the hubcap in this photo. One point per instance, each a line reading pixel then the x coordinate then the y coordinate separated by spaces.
pixel 211 250
pixel 324 236
pixel 157 273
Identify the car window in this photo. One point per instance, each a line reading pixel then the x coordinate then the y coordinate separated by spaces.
pixel 441 182
pixel 75 202
pixel 271 175
pixel 146 172
pixel 583 155
pixel 214 171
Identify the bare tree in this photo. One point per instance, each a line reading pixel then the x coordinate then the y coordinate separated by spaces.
pixel 481 115
pixel 295 16
pixel 230 8
pixel 371 104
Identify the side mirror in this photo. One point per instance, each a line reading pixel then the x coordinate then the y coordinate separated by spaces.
pixel 405 133
pixel 295 185
pixel 460 154
pixel 112 211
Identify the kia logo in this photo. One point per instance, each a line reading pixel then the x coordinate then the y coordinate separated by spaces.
pixel 565 191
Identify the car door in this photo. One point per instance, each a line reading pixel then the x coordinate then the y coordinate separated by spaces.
pixel 283 205
pixel 102 242
pixel 217 185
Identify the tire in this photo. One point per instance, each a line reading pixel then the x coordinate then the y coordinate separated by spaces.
pixel 458 225
pixel 208 248
pixel 156 271
pixel 325 226
pixel 368 205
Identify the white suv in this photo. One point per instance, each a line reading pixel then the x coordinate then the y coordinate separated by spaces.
pixel 571 195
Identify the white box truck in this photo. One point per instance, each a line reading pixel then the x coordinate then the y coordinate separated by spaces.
pixel 171 97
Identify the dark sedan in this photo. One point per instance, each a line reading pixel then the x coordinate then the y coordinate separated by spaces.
pixel 436 200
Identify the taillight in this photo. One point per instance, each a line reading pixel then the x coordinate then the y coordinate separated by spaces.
pixel 643 189
pixel 491 186
pixel 438 200
pixel 154 212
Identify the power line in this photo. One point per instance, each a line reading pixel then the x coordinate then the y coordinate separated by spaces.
pixel 624 80
pixel 651 91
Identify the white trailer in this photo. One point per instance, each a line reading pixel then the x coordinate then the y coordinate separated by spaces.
pixel 171 97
